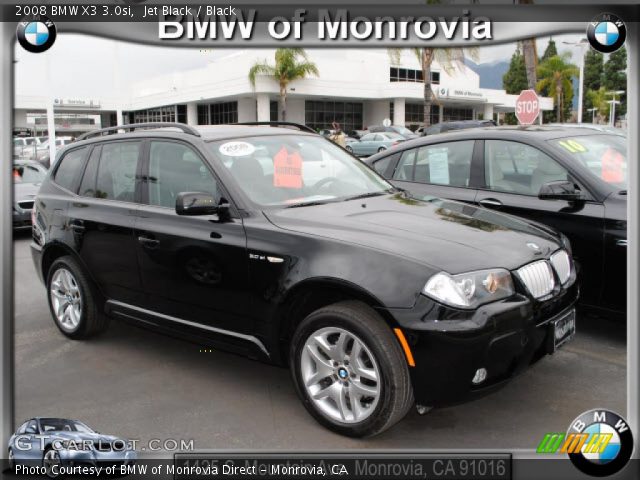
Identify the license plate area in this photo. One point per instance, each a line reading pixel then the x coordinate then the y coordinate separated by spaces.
pixel 561 330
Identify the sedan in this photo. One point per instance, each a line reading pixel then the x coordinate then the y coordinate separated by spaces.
pixel 572 179
pixel 27 177
pixel 374 143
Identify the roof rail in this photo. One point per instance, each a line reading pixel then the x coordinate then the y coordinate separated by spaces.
pixel 299 126
pixel 138 126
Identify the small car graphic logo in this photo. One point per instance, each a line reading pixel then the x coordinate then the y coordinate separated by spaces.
pixel 606 33
pixel 37 34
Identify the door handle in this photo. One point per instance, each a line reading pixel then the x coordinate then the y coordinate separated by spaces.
pixel 148 242
pixel 490 203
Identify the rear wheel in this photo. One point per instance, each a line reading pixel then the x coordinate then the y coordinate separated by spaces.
pixel 381 149
pixel 349 370
pixel 349 149
pixel 72 300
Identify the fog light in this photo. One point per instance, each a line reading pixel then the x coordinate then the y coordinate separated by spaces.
pixel 480 376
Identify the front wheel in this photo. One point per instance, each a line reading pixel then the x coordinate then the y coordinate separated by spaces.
pixel 349 370
pixel 349 149
pixel 50 460
pixel 381 149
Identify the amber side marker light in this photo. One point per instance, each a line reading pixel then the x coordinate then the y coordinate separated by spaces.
pixel 405 347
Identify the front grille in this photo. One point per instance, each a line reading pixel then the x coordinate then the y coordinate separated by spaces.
pixel 538 278
pixel 562 265
pixel 26 204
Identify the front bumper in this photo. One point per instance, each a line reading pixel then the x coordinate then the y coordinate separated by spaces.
pixel 450 345
pixel 21 218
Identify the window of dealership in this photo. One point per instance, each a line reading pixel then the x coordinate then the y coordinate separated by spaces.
pixel 217 113
pixel 321 114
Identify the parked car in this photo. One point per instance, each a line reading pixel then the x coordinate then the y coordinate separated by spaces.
pixel 592 126
pixel 574 180
pixel 454 125
pixel 50 442
pixel 400 130
pixel 317 263
pixel 27 177
pixel 374 142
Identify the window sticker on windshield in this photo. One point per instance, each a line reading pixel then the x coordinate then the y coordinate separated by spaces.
pixel 612 166
pixel 287 169
pixel 236 149
pixel 439 165
pixel 572 146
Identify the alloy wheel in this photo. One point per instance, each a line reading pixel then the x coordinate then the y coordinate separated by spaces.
pixel 51 459
pixel 66 299
pixel 340 375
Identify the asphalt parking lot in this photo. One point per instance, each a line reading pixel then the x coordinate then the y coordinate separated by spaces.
pixel 139 384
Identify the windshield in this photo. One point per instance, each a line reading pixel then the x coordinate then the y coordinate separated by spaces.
pixel 286 170
pixel 63 425
pixel 604 156
pixel 28 173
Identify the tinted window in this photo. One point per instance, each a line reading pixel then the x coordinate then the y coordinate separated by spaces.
pixel 117 171
pixel 176 168
pixel 368 137
pixel 519 168
pixel 382 165
pixel 32 427
pixel 88 184
pixel 440 164
pixel 70 167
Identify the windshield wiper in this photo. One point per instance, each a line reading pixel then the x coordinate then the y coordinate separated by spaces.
pixel 307 204
pixel 367 195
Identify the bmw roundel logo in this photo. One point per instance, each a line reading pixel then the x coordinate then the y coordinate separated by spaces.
pixel 607 442
pixel 36 34
pixel 606 33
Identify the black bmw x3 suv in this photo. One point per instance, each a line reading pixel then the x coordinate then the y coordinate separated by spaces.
pixel 273 242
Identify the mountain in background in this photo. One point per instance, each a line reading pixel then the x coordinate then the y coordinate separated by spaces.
pixel 490 73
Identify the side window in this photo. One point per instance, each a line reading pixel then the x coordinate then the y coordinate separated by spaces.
pixel 368 137
pixel 382 165
pixel 70 167
pixel 88 184
pixel 404 170
pixel 32 427
pixel 117 171
pixel 379 138
pixel 518 168
pixel 176 168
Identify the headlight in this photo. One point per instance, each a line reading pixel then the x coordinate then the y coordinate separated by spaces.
pixel 469 290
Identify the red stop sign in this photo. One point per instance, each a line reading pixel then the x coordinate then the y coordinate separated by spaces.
pixel 527 107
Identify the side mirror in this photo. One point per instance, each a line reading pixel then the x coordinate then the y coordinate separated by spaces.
pixel 196 203
pixel 559 190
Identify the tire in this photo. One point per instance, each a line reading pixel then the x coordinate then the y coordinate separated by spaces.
pixel 349 149
pixel 50 458
pixel 381 149
pixel 12 461
pixel 378 404
pixel 67 284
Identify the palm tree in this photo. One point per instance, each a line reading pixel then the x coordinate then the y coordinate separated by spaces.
pixel 291 64
pixel 530 52
pixel 448 58
pixel 555 75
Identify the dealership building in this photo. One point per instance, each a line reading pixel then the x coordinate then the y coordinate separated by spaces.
pixel 355 88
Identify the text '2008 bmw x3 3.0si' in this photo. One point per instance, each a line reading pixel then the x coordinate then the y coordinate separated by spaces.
pixel 275 243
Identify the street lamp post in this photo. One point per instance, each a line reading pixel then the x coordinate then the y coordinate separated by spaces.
pixel 582 45
pixel 612 119
pixel 593 114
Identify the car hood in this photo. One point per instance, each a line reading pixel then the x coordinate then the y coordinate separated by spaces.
pixel 443 234
pixel 25 191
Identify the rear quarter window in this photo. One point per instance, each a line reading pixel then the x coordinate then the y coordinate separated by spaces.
pixel 70 167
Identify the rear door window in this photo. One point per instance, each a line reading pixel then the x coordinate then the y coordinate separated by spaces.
pixel 116 178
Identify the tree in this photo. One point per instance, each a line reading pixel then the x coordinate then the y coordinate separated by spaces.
pixel 515 80
pixel 447 58
pixel 593 73
pixel 615 78
pixel 550 51
pixel 290 64
pixel 555 75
